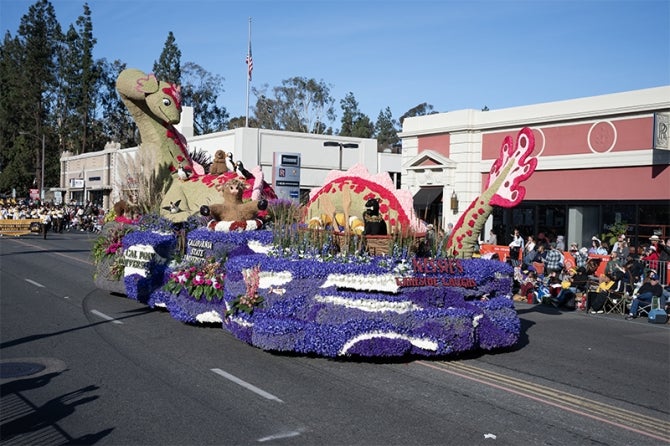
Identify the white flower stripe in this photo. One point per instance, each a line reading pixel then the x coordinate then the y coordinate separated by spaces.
pixel 209 317
pixel 241 322
pixel 270 279
pixel 425 344
pixel 371 306
pixel 383 282
pixel 476 319
pixel 258 247
pixel 242 225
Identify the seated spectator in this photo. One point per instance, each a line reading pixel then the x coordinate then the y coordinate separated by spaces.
pixel 664 250
pixel 651 257
pixel 560 243
pixel 528 287
pixel 542 241
pixel 596 247
pixel 646 293
pixel 621 246
pixel 580 255
pixel 627 281
pixel 541 254
pixel 579 279
pixel 529 251
pixel 493 238
pixel 595 300
pixel 553 263
pixel 636 269
pixel 614 266
pixel 565 293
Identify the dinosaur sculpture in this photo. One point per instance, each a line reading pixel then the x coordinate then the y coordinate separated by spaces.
pixel 156 107
pixel 503 188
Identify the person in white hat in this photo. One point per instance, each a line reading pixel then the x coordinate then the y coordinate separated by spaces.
pixel 596 247
pixel 651 257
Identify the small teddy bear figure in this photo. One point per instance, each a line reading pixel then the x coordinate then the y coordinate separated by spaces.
pixel 219 166
pixel 374 223
pixel 233 208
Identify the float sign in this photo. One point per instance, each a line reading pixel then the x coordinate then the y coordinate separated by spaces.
pixel 286 175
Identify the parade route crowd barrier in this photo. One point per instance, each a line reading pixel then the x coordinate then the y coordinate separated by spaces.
pixel 16 227
pixel 661 267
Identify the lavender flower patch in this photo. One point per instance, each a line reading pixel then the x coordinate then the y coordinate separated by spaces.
pixel 336 321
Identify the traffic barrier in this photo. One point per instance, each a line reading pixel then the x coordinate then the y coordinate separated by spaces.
pixel 662 268
pixel 16 227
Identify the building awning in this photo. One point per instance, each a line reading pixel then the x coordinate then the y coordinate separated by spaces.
pixel 426 196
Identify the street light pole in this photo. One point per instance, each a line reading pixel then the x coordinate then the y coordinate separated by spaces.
pixel 41 162
pixel 346 145
pixel 42 176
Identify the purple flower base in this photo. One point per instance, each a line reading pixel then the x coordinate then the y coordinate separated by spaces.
pixel 442 323
pixel 310 318
pixel 185 308
pixel 384 347
pixel 139 288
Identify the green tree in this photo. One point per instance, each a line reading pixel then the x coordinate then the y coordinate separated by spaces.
pixel 239 122
pixel 168 66
pixel 299 105
pixel 200 89
pixel 264 111
pixel 15 160
pixel 385 130
pixel 89 81
pixel 117 123
pixel 29 70
pixel 354 123
pixel 79 78
pixel 419 110
pixel 349 107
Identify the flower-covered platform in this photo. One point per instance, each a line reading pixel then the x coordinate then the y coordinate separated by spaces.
pixel 371 306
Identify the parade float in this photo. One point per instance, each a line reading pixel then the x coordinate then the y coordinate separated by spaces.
pixel 341 275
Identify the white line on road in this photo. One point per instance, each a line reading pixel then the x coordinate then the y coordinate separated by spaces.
pixel 104 316
pixel 34 283
pixel 246 385
pixel 279 436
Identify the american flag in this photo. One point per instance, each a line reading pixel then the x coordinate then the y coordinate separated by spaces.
pixel 250 62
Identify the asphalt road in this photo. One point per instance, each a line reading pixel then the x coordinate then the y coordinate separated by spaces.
pixel 81 365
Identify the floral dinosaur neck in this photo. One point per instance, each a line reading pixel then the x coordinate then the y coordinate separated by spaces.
pixel 166 141
pixel 463 238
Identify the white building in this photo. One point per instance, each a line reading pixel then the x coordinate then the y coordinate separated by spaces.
pixel 100 176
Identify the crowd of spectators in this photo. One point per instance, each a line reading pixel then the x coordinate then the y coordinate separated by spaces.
pixel 57 217
pixel 543 273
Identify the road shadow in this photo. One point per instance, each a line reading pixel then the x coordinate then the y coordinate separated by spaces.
pixel 35 422
pixel 36 337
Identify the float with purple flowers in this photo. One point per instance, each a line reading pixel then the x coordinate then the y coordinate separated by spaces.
pixel 307 282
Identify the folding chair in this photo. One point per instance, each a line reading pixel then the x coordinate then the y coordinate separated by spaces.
pixel 617 302
pixel 617 299
pixel 643 308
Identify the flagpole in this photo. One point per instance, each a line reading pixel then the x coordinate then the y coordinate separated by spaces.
pixel 246 122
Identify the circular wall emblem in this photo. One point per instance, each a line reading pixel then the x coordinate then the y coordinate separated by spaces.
pixel 540 141
pixel 602 137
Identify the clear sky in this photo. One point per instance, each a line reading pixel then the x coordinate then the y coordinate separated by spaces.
pixel 396 53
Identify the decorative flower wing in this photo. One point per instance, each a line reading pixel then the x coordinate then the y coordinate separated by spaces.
pixel 512 167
